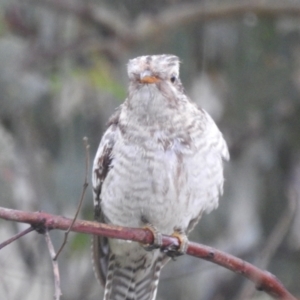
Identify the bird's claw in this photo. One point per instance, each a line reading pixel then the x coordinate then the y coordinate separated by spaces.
pixel 172 250
pixel 157 238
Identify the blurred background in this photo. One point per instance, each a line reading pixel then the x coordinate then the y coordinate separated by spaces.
pixel 62 74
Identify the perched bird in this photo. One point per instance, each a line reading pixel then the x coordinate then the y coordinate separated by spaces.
pixel 160 162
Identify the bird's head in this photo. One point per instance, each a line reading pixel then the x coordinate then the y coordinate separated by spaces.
pixel 151 69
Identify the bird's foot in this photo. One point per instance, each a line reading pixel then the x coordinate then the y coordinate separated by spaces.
pixel 157 237
pixel 172 250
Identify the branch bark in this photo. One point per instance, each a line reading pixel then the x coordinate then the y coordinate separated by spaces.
pixel 262 279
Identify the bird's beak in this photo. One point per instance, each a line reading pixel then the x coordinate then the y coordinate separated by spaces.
pixel 147 77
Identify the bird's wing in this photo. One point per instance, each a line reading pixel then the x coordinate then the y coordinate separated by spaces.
pixel 218 147
pixel 215 136
pixel 101 167
pixel 138 277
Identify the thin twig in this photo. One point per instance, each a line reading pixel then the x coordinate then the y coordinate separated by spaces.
pixel 85 185
pixel 57 292
pixel 15 237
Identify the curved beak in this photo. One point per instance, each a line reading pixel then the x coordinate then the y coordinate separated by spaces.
pixel 147 77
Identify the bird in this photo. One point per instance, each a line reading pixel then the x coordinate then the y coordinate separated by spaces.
pixel 159 164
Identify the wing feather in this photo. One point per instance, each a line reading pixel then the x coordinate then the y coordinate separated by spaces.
pixel 101 167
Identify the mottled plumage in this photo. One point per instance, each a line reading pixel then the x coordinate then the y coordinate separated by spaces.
pixel 160 160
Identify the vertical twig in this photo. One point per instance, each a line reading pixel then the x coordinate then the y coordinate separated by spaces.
pixel 85 185
pixel 57 292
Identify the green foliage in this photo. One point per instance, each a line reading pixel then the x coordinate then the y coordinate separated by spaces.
pixel 79 243
pixel 56 82
pixel 100 77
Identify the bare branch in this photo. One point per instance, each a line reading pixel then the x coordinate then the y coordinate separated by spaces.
pixel 57 292
pixel 98 15
pixel 178 15
pixel 85 185
pixel 173 16
pixel 42 220
pixel 262 279
pixel 125 33
pixel 15 237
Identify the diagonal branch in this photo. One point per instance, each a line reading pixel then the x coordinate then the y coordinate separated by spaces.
pixel 123 33
pixel 15 237
pixel 262 279
pixel 182 14
pixel 85 186
pixel 146 26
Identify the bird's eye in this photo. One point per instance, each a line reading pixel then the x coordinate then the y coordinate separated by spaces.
pixel 173 79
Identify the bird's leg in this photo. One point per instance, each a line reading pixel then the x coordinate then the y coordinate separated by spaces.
pixel 157 236
pixel 183 244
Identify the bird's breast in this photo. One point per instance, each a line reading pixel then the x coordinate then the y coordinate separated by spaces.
pixel 165 186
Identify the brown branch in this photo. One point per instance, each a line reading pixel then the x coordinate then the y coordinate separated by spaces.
pixel 42 220
pixel 262 279
pixel 15 237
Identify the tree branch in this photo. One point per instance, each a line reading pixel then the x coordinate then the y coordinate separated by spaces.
pixel 15 237
pixel 125 33
pixel 41 221
pixel 146 26
pixel 182 14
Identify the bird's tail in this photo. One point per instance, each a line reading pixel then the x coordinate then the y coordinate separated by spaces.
pixel 133 278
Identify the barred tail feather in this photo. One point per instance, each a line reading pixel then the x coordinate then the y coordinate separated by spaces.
pixel 134 280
